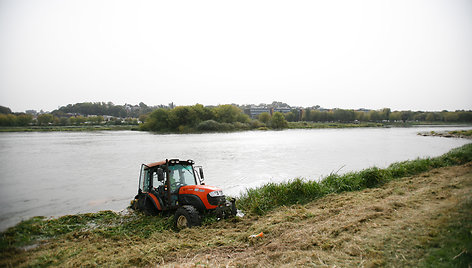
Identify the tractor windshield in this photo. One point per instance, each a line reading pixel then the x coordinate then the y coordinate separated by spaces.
pixel 181 175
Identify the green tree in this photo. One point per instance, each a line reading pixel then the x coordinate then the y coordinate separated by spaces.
pixel 450 116
pixel 278 121
pixel 7 120
pixel 5 110
pixel 227 113
pixel 385 113
pixel 45 119
pixel 264 117
pixel 306 115
pixel 158 120
pixel 24 119
pixel 395 116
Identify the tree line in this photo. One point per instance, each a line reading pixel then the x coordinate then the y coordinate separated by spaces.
pixel 200 118
pixel 46 119
pixel 9 119
pixel 102 108
pixel 208 118
pixel 382 115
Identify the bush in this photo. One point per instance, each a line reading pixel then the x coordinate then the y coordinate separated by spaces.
pixel 209 125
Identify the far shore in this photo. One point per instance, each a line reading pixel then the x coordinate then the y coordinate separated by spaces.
pixel 291 125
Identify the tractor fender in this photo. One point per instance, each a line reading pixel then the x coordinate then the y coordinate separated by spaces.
pixel 193 200
pixel 154 200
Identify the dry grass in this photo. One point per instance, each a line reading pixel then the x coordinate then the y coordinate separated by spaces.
pixel 394 226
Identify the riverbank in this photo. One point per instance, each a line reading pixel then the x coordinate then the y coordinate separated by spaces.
pixel 69 128
pixel 412 213
pixel 227 128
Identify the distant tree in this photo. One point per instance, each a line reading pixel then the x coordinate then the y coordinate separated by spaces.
pixel 203 113
pixel 421 116
pixel 385 113
pixel 7 120
pixel 464 116
pixel 395 116
pixel 226 113
pixel 158 120
pixel 243 118
pixel 5 110
pixel 374 116
pixel 407 115
pixel 450 116
pixel 430 117
pixel 343 115
pixel 293 115
pixel 360 116
pixel 63 121
pixel 45 119
pixel 24 119
pixel 182 116
pixel 264 117
pixel 306 115
pixel 278 121
pixel 142 105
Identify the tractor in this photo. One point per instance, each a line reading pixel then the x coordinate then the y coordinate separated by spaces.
pixel 175 185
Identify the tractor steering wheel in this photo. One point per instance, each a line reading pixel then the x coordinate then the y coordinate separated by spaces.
pixel 175 185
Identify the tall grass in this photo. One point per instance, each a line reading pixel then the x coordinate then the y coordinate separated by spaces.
pixel 300 191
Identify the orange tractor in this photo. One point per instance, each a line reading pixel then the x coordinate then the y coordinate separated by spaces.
pixel 175 185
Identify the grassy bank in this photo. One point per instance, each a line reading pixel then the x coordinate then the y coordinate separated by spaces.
pixel 299 191
pixel 343 219
pixel 68 128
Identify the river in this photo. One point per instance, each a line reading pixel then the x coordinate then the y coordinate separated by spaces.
pixel 59 173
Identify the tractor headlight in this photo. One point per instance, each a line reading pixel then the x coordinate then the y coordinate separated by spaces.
pixel 216 193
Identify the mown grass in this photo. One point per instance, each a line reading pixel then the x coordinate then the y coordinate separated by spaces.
pixel 108 224
pixel 453 245
pixel 111 225
pixel 299 191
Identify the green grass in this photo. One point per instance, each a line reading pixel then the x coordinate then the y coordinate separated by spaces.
pixel 106 223
pixel 299 191
pixel 453 247
pixel 466 133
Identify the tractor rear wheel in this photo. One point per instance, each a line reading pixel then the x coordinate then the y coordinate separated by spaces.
pixel 186 216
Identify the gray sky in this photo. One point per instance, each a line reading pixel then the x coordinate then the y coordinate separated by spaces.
pixel 413 54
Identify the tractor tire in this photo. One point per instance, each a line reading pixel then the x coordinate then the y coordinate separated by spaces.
pixel 186 216
pixel 149 208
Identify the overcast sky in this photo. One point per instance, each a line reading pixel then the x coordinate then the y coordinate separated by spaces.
pixel 405 55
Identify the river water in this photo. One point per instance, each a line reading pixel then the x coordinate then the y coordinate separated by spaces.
pixel 59 173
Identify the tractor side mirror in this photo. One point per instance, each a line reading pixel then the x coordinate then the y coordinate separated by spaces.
pixel 160 174
pixel 201 173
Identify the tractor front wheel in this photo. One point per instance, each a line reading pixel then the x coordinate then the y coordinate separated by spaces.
pixel 186 216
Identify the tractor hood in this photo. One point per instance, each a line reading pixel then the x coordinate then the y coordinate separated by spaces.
pixel 199 189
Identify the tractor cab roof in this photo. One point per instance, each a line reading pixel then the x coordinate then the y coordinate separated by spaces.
pixel 171 162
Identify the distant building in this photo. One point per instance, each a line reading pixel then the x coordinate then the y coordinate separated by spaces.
pixel 283 110
pixel 254 112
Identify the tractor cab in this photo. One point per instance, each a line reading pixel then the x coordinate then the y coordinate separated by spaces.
pixel 176 185
pixel 164 179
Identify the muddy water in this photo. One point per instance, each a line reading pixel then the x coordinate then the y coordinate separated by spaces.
pixel 57 173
